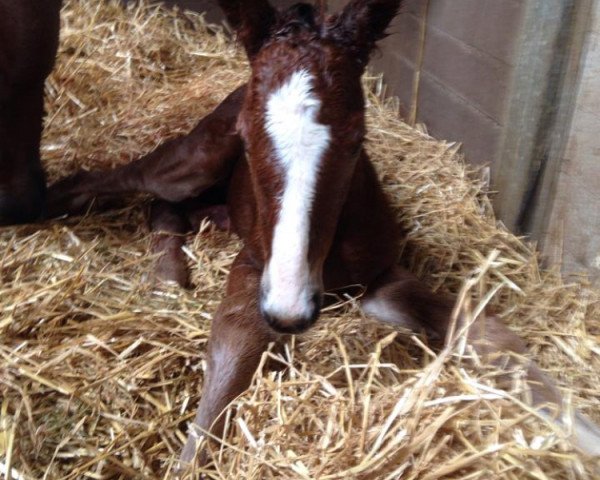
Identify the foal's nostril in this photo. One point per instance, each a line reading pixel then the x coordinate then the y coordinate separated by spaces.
pixel 317 302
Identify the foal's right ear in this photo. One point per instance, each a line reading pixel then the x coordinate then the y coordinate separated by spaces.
pixel 252 20
pixel 361 24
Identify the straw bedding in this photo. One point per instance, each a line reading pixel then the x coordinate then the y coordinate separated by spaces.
pixel 101 367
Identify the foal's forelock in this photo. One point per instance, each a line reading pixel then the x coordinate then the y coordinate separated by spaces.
pixel 299 143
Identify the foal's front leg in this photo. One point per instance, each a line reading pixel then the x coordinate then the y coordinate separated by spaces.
pixel 238 338
pixel 397 297
pixel 168 226
pixel 170 222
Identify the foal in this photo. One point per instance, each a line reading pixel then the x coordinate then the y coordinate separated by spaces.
pixel 303 196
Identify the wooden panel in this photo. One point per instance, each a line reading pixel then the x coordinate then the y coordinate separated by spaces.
pixel 534 114
pixel 569 199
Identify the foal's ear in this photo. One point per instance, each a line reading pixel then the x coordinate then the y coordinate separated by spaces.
pixel 362 24
pixel 252 20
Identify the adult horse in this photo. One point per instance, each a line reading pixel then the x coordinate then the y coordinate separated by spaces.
pixel 28 43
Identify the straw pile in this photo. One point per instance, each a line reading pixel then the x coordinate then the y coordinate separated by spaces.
pixel 101 369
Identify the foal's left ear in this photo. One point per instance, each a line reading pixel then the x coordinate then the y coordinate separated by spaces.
pixel 362 24
pixel 252 20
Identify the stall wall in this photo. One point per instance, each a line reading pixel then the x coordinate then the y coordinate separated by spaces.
pixel 572 233
pixel 451 63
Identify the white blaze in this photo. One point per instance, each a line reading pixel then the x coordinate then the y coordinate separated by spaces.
pixel 299 142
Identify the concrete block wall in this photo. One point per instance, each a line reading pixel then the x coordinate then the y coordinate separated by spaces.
pixel 457 73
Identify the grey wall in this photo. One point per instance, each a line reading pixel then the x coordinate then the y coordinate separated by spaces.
pixel 451 63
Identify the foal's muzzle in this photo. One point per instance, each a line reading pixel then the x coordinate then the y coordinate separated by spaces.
pixel 292 323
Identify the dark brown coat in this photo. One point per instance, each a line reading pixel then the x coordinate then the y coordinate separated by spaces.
pixel 28 43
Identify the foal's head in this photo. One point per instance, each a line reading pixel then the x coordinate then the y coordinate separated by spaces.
pixel 303 126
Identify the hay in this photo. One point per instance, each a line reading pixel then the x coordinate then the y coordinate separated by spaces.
pixel 101 369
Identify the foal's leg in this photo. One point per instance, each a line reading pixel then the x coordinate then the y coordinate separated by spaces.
pixel 212 206
pixel 178 169
pixel 399 298
pixel 238 338
pixel 169 222
pixel 168 227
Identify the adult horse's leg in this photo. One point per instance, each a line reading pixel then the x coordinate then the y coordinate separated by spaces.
pixel 28 45
pixel 238 338
pixel 22 179
pixel 399 298
pixel 177 170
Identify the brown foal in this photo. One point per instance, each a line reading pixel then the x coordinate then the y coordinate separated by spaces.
pixel 286 154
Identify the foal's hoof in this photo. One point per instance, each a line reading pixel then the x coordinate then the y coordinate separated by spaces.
pixel 171 266
pixel 217 214
pixel 193 459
